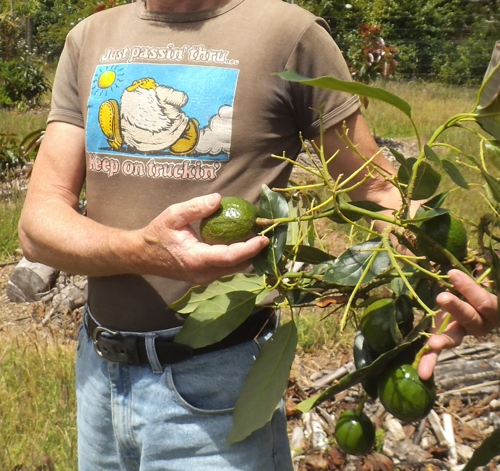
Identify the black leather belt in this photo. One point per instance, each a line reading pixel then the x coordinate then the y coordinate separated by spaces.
pixel 130 348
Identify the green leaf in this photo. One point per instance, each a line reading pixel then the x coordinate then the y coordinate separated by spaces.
pixel 489 449
pixel 265 384
pixel 431 155
pixel 493 148
pixel 367 372
pixel 454 173
pixel 309 254
pixel 426 182
pixel 400 158
pixel 213 320
pixel 300 231
pixel 199 295
pixel 272 205
pixel 436 201
pixel 351 265
pixel 489 119
pixel 294 228
pixel 495 269
pixel 488 106
pixel 490 88
pixel 422 216
pixel 493 184
pixel 356 88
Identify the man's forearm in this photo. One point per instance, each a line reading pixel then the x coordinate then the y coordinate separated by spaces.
pixel 56 235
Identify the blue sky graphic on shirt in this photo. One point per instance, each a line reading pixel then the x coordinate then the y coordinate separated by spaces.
pixel 161 111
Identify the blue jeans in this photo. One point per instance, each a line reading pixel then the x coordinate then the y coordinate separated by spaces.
pixel 130 418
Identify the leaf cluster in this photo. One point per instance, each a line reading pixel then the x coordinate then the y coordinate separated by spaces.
pixel 297 271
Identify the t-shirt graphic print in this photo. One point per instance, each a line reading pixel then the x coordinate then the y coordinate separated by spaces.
pixel 156 120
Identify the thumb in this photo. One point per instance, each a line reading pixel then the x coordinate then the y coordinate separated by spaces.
pixel 426 365
pixel 182 214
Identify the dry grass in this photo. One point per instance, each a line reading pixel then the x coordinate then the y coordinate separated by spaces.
pixel 37 409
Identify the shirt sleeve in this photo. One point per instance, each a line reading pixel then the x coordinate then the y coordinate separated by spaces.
pixel 66 104
pixel 316 55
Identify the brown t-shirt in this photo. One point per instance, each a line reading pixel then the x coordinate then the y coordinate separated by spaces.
pixel 180 105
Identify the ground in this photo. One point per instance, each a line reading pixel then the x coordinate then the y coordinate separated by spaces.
pixel 402 447
pixel 473 409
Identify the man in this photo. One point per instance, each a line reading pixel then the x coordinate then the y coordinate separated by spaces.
pixel 161 107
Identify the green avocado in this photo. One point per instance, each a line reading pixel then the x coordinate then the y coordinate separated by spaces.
pixel 448 232
pixel 233 222
pixel 354 433
pixel 405 395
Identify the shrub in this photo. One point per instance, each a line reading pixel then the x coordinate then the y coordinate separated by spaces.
pixel 22 82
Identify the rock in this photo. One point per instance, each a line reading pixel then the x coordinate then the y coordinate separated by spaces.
pixel 30 281
pixel 394 427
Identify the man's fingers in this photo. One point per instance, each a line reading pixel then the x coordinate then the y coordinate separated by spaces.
pixel 240 252
pixel 426 365
pixel 221 260
pixel 182 214
pixel 478 314
pixel 452 337
pixel 475 294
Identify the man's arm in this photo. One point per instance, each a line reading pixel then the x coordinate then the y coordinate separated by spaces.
pixel 347 162
pixel 51 230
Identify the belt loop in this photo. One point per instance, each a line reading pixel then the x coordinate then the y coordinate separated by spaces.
pixel 156 366
pixel 85 322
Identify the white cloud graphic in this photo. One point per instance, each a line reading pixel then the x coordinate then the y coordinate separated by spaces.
pixel 215 138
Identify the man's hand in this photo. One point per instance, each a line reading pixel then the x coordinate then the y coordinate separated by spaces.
pixel 172 249
pixel 477 316
pixel 52 231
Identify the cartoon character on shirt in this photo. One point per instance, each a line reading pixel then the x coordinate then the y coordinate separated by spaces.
pixel 148 119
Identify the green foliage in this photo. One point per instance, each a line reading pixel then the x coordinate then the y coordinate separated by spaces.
pixel 9 151
pixel 450 41
pixel 488 450
pixel 10 37
pixel 54 19
pixel 353 279
pixel 16 153
pixel 22 81
pixel 10 211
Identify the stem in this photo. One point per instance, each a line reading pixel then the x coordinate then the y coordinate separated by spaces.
pixel 359 409
pixel 396 266
pixel 352 297
pixel 426 349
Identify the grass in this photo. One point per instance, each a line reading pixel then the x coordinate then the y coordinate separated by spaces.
pixel 10 211
pixel 21 124
pixel 37 406
pixel 432 104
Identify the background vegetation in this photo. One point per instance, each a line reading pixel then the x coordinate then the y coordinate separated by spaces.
pixel 441 40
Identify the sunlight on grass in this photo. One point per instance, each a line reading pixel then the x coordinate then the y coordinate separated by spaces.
pixel 10 211
pixel 432 104
pixel 37 406
pixel 21 124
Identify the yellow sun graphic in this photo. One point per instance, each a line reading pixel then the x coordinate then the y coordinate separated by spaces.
pixel 106 79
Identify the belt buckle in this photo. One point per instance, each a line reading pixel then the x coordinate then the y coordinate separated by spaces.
pixel 95 338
